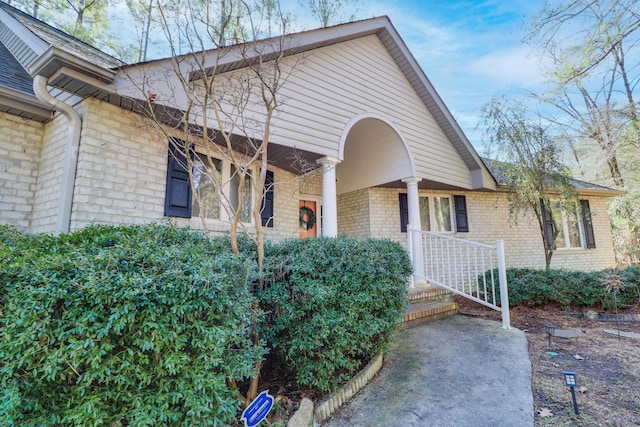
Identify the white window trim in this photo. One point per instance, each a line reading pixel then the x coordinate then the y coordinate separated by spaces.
pixel 432 218
pixel 564 223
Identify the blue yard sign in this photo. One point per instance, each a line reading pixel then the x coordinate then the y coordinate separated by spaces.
pixel 258 409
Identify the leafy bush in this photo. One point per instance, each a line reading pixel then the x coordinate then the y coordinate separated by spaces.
pixel 568 288
pixel 123 326
pixel 332 304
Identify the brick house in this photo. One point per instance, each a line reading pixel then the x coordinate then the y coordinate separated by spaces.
pixel 74 151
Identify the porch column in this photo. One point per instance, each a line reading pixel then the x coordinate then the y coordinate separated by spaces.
pixel 329 196
pixel 413 206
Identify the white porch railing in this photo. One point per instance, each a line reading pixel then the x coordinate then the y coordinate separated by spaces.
pixel 461 266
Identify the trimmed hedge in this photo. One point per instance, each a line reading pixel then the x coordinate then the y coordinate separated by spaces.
pixel 333 304
pixel 142 325
pixel 569 288
pixel 123 326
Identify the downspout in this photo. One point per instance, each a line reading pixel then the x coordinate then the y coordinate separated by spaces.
pixel 70 162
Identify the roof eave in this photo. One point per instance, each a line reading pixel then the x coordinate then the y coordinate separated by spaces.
pixel 596 192
pixel 27 103
pixel 53 59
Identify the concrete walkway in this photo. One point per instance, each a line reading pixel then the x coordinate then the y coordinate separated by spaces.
pixel 457 372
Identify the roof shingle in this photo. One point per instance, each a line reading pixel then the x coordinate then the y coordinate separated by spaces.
pixel 12 74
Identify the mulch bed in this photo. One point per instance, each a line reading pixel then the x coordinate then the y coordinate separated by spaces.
pixel 607 367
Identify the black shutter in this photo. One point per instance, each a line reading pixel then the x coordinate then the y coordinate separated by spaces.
pixel 588 224
pixel 549 230
pixel 404 212
pixel 266 213
pixel 460 202
pixel 178 195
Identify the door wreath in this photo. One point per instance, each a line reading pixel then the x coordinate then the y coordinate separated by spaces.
pixel 307 218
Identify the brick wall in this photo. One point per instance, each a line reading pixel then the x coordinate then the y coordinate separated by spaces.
pixel 121 177
pixel 47 196
pixel 20 143
pixel 121 169
pixel 489 220
pixel 354 215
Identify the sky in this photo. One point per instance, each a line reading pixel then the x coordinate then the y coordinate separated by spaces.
pixel 471 50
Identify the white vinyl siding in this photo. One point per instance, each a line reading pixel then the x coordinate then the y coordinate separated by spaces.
pixel 331 86
pixel 335 84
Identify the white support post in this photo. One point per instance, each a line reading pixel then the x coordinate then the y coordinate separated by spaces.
pixel 412 282
pixel 502 278
pixel 329 196
pixel 413 205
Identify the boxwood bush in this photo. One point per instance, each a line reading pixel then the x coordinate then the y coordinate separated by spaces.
pixel 332 304
pixel 569 288
pixel 123 326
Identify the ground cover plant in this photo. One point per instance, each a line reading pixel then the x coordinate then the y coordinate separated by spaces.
pixel 568 289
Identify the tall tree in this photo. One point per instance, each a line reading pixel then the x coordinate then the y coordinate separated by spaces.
pixel 86 20
pixel 330 12
pixel 587 43
pixel 530 166
pixel 142 12
pixel 590 46
pixel 226 114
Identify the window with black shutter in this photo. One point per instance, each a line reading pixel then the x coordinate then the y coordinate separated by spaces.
pixel 266 213
pixel 462 225
pixel 178 191
pixel 589 237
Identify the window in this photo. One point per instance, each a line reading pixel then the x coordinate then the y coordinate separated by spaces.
pixel 201 200
pixel 569 229
pixel 436 213
pixel 206 202
pixel 574 223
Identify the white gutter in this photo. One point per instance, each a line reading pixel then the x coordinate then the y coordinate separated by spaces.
pixel 70 162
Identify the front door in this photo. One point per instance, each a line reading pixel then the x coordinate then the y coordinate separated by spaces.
pixel 308 224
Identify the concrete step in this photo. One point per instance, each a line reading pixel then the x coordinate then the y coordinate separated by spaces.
pixel 426 311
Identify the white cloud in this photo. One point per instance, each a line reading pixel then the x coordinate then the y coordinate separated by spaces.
pixel 513 66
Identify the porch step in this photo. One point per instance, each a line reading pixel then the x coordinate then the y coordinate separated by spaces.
pixel 428 304
pixel 429 293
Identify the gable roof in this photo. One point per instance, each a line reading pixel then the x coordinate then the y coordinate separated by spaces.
pixel 45 38
pixel 12 74
pixel 582 187
pixel 77 68
pixel 16 90
pixel 234 57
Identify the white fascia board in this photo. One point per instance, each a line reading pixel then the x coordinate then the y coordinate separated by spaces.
pixel 53 59
pixel 34 42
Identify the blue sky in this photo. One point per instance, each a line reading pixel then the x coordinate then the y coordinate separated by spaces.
pixel 470 50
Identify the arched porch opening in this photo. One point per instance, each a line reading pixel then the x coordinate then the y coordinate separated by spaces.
pixel 374 162
pixel 372 153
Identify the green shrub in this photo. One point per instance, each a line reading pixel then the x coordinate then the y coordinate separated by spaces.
pixel 332 304
pixel 123 326
pixel 568 288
